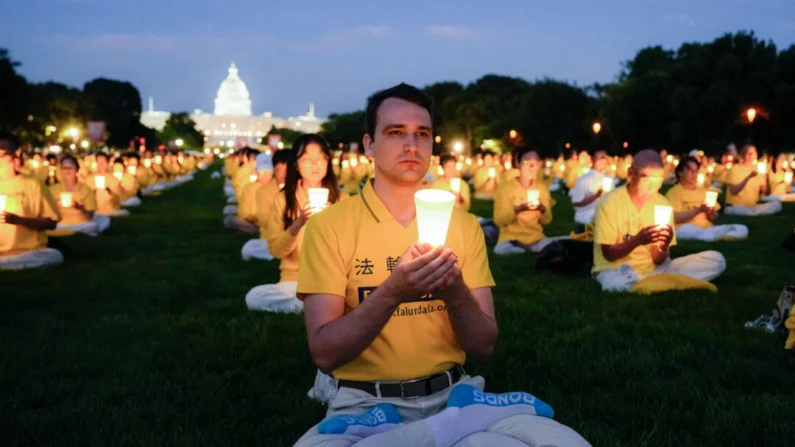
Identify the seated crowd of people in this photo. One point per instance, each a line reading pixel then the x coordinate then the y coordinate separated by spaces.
pixel 52 195
pixel 390 321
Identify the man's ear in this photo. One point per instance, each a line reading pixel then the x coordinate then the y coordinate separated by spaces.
pixel 368 145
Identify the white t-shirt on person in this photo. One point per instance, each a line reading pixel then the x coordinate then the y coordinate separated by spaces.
pixel 587 185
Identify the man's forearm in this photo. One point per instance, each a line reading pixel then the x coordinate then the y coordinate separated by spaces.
pixel 476 332
pixel 587 201
pixel 686 216
pixel 618 251
pixel 343 339
pixel 735 189
pixel 38 223
pixel 659 255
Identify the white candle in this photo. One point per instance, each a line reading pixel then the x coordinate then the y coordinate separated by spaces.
pixel 788 177
pixel 711 169
pixel 434 208
pixel 761 168
pixel 533 196
pixel 439 171
pixel 607 184
pixel 66 199
pixel 711 199
pixel 455 184
pixel 318 197
pixel 507 165
pixel 492 172
pixel 252 178
pixel 701 179
pixel 3 203
pixel 99 181
pixel 662 214
pixel 147 162
pixel 345 164
pixel 562 168
pixel 132 170
pixel 469 162
pixel 118 175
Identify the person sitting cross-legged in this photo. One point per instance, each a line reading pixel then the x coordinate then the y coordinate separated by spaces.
pixel 694 219
pixel 27 212
pixel 589 188
pixel 246 219
pixel 628 243
pixel 77 203
pixel 521 221
pixel 393 320
pixel 263 202
pixel 309 166
pixel 780 181
pixel 745 186
pixel 107 188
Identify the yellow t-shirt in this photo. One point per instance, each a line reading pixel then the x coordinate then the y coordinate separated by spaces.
pixel 247 207
pixel 25 197
pixel 777 185
pixel 281 243
pixel 683 199
pixel 352 247
pixel 526 227
pixel 616 220
pixel 129 186
pixel 241 179
pixel 264 202
pixel 106 201
pixel 466 199
pixel 81 194
pixel 749 196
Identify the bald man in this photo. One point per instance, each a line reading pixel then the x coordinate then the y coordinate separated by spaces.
pixel 629 246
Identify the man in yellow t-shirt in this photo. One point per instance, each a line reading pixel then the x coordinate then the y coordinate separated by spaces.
pixel 393 320
pixel 629 245
pixel 264 198
pixel 745 186
pixel 108 196
pixel 487 178
pixel 695 219
pixel 27 212
pixel 451 182
pixel 246 220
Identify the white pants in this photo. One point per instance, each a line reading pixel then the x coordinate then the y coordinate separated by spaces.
pixel 520 431
pixel 116 213
pixel 324 389
pixel 713 233
pixel 256 249
pixel 92 228
pixel 554 187
pixel 783 198
pixel 229 191
pixel 46 257
pixel 279 298
pixel 705 266
pixel 184 179
pixel 584 217
pixel 230 210
pixel 761 209
pixel 132 201
pixel 231 200
pixel 483 196
pixel 215 175
pixel 507 248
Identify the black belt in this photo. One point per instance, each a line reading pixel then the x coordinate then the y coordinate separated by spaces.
pixel 409 388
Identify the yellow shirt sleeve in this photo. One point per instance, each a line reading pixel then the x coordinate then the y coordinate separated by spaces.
pixel 280 242
pixel 322 269
pixel 605 229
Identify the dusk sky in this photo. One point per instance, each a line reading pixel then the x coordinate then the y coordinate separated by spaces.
pixel 336 53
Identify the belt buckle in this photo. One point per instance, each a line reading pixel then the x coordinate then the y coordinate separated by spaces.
pixel 403 390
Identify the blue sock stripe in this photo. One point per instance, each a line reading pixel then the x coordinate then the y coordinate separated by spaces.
pixel 465 395
pixel 380 414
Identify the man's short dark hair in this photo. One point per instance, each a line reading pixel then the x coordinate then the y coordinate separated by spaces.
pixel 520 151
pixel 446 158
pixel 401 91
pixel 680 168
pixel 102 154
pixel 281 156
pixel 9 142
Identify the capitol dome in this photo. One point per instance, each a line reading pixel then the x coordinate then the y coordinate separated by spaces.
pixel 233 97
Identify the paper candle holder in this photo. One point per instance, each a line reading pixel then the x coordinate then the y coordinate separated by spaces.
pixel 492 172
pixel 345 164
pixel 434 209
pixel 761 168
pixel 99 182
pixel 662 214
pixel 66 200
pixel 788 177
pixel 439 171
pixel 701 178
pixel 252 178
pixel 148 162
pixel 507 165
pixel 3 200
pixel 711 199
pixel 132 170
pixel 318 197
pixel 533 196
pixel 455 185
pixel 354 162
pixel 607 184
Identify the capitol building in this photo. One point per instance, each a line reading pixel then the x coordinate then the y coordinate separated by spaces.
pixel 232 124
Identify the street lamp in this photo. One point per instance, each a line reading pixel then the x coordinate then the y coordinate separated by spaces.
pixel 512 133
pixel 73 132
pixel 597 127
pixel 751 114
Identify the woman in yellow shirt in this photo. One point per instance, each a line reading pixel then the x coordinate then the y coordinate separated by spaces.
pixel 76 203
pixel 780 181
pixel 745 186
pixel 523 207
pixel 308 167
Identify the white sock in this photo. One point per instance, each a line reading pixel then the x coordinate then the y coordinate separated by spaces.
pixel 471 411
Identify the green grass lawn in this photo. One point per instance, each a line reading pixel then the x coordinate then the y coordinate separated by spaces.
pixel 143 338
